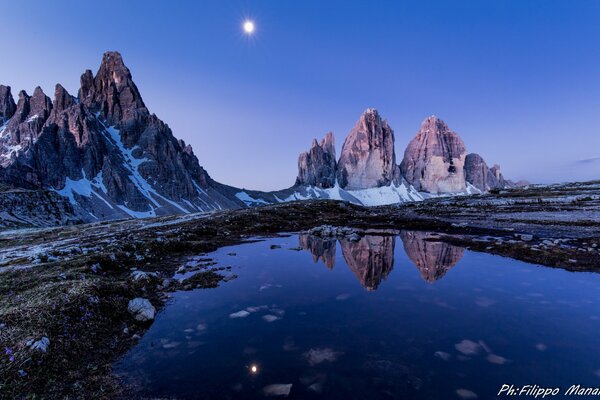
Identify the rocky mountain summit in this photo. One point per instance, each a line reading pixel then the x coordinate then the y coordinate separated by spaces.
pixel 103 150
pixel 435 163
pixel 434 160
pixel 318 166
pixel 368 158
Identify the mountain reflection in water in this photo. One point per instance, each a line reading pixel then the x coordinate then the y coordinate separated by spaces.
pixel 371 259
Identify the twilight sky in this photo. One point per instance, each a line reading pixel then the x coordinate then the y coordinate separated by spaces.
pixel 518 80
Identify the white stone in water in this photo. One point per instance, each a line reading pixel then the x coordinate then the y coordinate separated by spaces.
pixel 526 237
pixel 316 387
pixel 466 394
pixel 442 355
pixel 277 389
pixel 239 314
pixel 141 309
pixel 468 347
pixel 541 347
pixel 317 356
pixel 270 318
pixel 201 327
pixel 342 296
pixel 495 359
pixel 256 308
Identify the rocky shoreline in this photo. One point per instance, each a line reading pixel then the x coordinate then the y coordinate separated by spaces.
pixel 66 291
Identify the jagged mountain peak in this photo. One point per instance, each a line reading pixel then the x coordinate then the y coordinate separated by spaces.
pixel 434 159
pixel 434 124
pixel 368 158
pixel 317 167
pixel 112 92
pixel 7 104
pixel 62 99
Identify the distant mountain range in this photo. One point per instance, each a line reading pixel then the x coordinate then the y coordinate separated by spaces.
pixel 102 155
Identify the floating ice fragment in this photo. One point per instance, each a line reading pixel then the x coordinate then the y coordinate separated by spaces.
pixel 442 355
pixel 342 296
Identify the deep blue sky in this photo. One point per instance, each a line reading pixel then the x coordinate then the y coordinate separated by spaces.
pixel 518 80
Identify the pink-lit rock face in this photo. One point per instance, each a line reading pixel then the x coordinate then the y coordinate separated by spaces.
pixel 368 159
pixel 434 160
pixel 320 249
pixel 481 176
pixel 317 167
pixel 371 259
pixel 433 259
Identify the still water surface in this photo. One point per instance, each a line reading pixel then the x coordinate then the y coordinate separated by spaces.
pixel 387 317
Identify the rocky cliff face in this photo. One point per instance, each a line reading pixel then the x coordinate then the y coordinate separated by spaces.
pixel 103 150
pixel 34 208
pixel 318 167
pixel 478 173
pixel 368 159
pixel 434 160
pixel 481 176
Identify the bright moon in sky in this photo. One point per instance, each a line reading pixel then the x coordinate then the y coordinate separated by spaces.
pixel 248 27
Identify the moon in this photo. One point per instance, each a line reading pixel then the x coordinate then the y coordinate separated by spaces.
pixel 248 27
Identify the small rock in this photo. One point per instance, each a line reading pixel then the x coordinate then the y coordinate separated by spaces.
pixel 41 345
pixel 95 268
pixel 141 309
pixel 526 237
pixel 143 276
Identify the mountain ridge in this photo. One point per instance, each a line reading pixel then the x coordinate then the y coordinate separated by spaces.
pixel 106 153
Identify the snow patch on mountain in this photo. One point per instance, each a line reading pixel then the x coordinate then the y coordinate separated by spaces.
pixel 384 195
pixel 83 187
pixel 132 164
pixel 249 200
